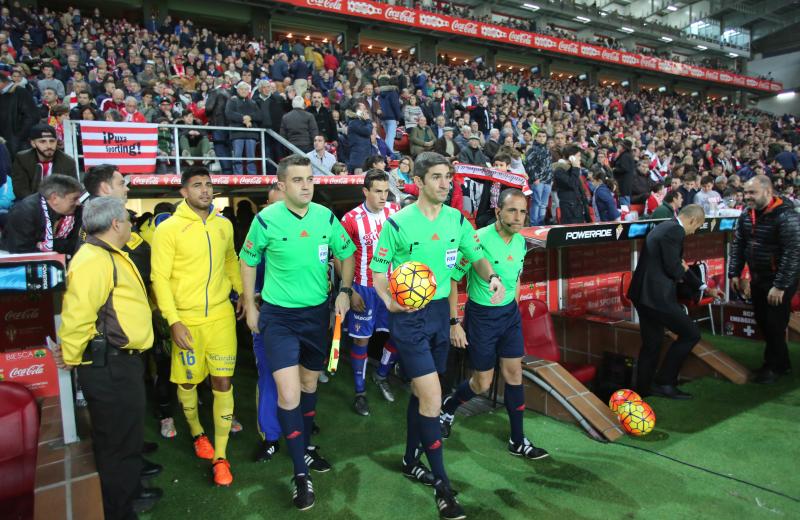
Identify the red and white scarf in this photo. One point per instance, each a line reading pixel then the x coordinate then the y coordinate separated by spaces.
pixel 63 230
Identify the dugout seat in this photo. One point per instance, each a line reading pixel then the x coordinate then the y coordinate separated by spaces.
pixel 19 440
pixel 539 336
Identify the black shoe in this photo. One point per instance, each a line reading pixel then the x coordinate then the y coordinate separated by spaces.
pixel 449 508
pixel 150 469
pixel 314 460
pixel 765 376
pixel 266 450
pixel 527 449
pixel 670 392
pixel 149 447
pixel 314 429
pixel 146 499
pixel 360 404
pixel 419 472
pixel 303 493
pixel 446 423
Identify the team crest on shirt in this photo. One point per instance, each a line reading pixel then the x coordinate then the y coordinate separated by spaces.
pixel 450 258
pixel 323 253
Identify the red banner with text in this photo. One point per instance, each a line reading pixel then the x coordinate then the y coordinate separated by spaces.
pixel 448 24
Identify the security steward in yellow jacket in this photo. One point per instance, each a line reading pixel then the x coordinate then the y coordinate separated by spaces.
pixel 194 267
pixel 106 325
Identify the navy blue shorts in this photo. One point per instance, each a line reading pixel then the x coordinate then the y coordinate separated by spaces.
pixel 492 332
pixel 294 336
pixel 375 317
pixel 422 338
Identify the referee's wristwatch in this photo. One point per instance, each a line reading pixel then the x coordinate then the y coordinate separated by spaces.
pixel 455 321
pixel 494 275
pixel 347 290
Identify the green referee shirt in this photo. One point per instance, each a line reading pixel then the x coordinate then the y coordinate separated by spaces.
pixel 505 259
pixel 296 250
pixel 408 235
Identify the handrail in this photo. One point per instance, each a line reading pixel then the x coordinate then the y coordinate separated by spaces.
pixel 294 149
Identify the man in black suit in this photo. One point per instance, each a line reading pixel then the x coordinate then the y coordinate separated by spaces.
pixel 653 293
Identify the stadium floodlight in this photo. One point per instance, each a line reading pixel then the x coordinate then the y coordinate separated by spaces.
pixel 583 77
pixel 672 8
pixel 702 48
pixel 583 19
pixel 535 69
pixel 662 88
pixel 729 33
pixel 666 39
pixel 289 35
pixel 532 7
pixel 733 55
pixel 695 93
pixel 724 98
pixel 603 14
pixel 783 96
pixel 627 30
pixel 624 83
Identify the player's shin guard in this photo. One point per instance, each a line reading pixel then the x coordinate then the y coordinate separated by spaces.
pixel 223 414
pixel 462 394
pixel 358 357
pixel 292 426
pixel 308 405
pixel 412 430
pixel 431 436
pixel 388 359
pixel 188 400
pixel 515 405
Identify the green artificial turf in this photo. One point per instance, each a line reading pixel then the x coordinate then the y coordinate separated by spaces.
pixel 747 432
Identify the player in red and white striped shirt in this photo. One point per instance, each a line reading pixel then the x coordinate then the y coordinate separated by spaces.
pixel 367 313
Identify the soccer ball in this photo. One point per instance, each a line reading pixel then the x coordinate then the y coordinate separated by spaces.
pixel 412 284
pixel 621 396
pixel 636 417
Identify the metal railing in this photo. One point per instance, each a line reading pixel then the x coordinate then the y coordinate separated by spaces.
pixel 72 148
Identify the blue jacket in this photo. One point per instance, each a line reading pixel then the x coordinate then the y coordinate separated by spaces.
pixel 605 207
pixel 6 188
pixel 358 136
pixel 389 99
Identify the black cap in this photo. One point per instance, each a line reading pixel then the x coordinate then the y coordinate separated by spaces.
pixel 42 130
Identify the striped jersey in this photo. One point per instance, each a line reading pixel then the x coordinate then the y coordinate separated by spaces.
pixel 364 227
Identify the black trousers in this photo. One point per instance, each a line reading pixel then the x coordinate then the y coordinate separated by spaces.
pixel 116 398
pixel 652 323
pixel 772 320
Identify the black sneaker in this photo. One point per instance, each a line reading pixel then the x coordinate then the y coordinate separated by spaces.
pixel 419 472
pixel 449 508
pixel 360 404
pixel 315 461
pixel 527 449
pixel 383 386
pixel 266 450
pixel 446 422
pixel 303 493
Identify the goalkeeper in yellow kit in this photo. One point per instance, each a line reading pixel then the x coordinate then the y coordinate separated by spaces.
pixel 194 268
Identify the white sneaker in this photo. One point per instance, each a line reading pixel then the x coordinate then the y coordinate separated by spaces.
pixel 168 428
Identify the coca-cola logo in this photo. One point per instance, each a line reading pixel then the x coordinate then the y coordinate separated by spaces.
pixel 401 15
pixel 363 8
pixel 571 48
pixel 664 66
pixel 648 63
pixel 335 5
pixel 251 179
pixel 27 314
pixel 520 37
pixel 588 50
pixel 151 180
pixel 544 42
pixel 629 59
pixel 223 180
pixel 610 55
pixel 712 75
pixel 433 21
pixel 697 73
pixel 739 80
pixel 750 82
pixel 725 77
pixel 466 28
pixel 774 87
pixel 33 370
pixel 493 32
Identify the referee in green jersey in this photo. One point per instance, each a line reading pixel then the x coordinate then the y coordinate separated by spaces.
pixel 296 236
pixel 434 234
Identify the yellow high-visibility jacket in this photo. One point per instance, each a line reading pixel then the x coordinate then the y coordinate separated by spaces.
pixel 126 321
pixel 194 266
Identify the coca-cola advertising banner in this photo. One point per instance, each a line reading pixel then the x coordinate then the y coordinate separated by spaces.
pixel 449 24
pixel 33 368
pixel 26 320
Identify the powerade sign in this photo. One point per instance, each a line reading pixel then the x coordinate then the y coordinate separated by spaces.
pixel 588 233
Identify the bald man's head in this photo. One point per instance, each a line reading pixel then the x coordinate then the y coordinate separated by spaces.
pixel 758 192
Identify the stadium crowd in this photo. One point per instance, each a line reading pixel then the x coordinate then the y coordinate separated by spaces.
pixel 586 153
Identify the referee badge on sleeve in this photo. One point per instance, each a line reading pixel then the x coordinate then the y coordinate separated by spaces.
pixel 323 253
pixel 450 258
